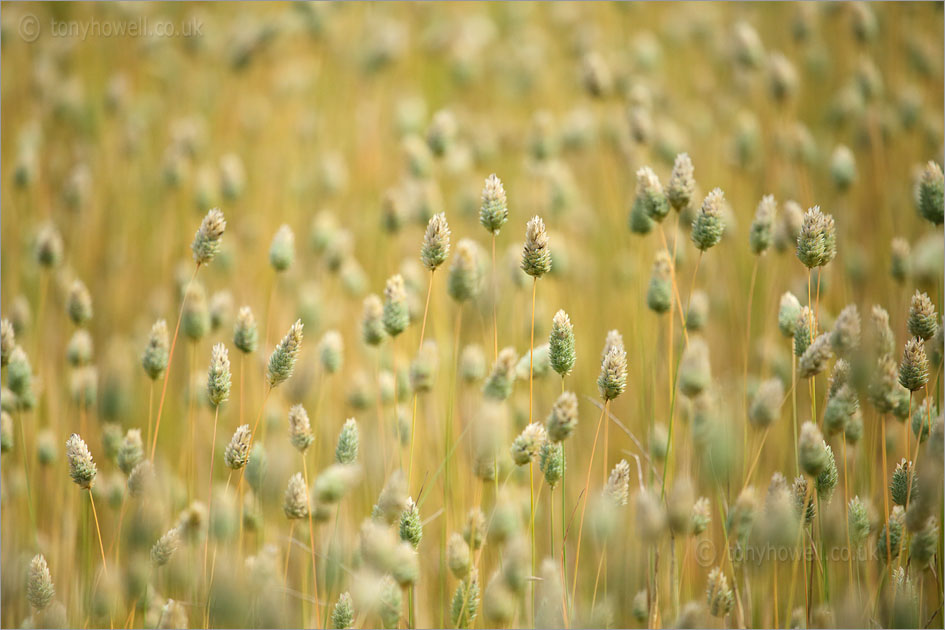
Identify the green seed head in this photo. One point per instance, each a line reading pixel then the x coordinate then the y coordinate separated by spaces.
pixel 788 313
pixel 411 527
pixel 551 462
pixel 436 242
pixel 841 405
pixel 474 531
pixel 695 372
pixel 282 249
pixel 561 344
pixel 141 479
pixel 237 451
pixel 815 357
pixel 81 467
pixel 805 329
pixel 295 502
pixel 618 484
pixel 698 314
pixel 206 243
pixel 502 379
pixel 766 405
pixel 79 303
pixel 20 373
pixel 895 531
pixel 218 376
pixel 884 388
pixel 346 451
pixel 342 615
pixel 458 556
pixel 899 486
pixel 7 341
pixel 300 428
pixel 842 167
pixel 708 227
pixel 884 340
pixel 245 334
pixel 283 357
pixel 859 520
pixel 154 359
pixel 789 227
pixel 651 195
pixel 536 256
pixel 331 351
pixel 799 491
pixel 131 451
pixel 494 211
pixel 441 135
pixel 638 221
pixel 659 294
pixel 393 210
pixel 48 247
pixel 465 272
pixel 525 447
pixel 423 367
pixel 930 200
pixel 372 321
pixel 811 450
pixel 718 594
pixel 924 543
pixel 762 227
pixel 701 515
pixel 563 418
pixel 396 314
pixel 845 337
pixel 165 547
pixel 817 240
pixel 465 602
pixel 472 363
pixel 39 585
pixel 922 322
pixel 79 350
pixel 922 417
pixel 195 316
pixel 914 368
pixel 682 184
pixel 827 479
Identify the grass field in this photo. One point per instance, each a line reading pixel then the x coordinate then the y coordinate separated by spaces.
pixel 472 315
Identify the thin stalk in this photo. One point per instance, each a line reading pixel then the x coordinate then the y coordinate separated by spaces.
pixel 413 422
pixel 751 296
pixel 150 407
pixel 846 503
pixel 495 297
pixel 311 540
pixel 882 438
pixel 587 484
pixel 170 358
pixel 288 552
pixel 794 408
pixel 213 443
pixel 531 527
pixel 98 530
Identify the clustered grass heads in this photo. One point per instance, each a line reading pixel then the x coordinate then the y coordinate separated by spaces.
pixel 494 211
pixel 218 376
pixel 465 272
pixel 131 451
pixel 815 357
pixel 930 193
pixel 236 453
pixel 922 322
pixel 651 195
pixel 561 344
pixel 708 226
pixel 914 368
pixel 396 314
pixel 79 303
pixel 659 293
pixel 164 548
pixel 436 242
pixel 372 321
pixel 536 255
pixel 682 184
pixel 845 338
pixel 295 503
pixel 762 227
pixel 282 249
pixel 283 357
pixel 718 595
pixel 817 241
pixel 206 243
pixel 346 450
pixel 40 589
pixel 766 404
pixel 300 428
pixel 695 373
pixel 613 369
pixel 245 333
pixel 501 380
pixel 789 313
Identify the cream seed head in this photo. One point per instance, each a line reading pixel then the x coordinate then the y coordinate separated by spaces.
pixel 81 467
pixel 331 351
pixel 718 594
pixel 766 405
pixel 815 357
pixel 561 344
pixel 237 451
pixel 79 303
pixel 154 358
pixel 651 195
pixel 900 265
pixel 245 334
pixel 458 555
pixel 295 502
pixel 659 293
pixel 206 243
pixel 396 314
pixel 372 321
pixel 695 372
pixel 80 348
pixel 788 313
pixel 708 226
pixel 48 246
pixel 884 339
pixel 282 249
pixel 811 450
pixel 618 484
pixel 436 242
pixel 131 451
pixel 165 547
pixel 914 367
pixel 502 379
pixel 218 376
pixel 283 357
pixel 613 373
pixel 536 256
pixel 845 338
pixel 300 428
pixel 39 585
pixel 423 368
pixel 923 321
pixel 817 240
pixel 465 272
pixel 494 211
pixel 7 341
pixel 195 314
pixel 762 227
pixel 551 462
pixel 682 184
pixel 525 447
pixel 563 418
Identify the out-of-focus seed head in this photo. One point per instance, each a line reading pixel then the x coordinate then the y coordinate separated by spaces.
pixel 659 293
pixel 788 313
pixel 458 556
pixel 682 184
pixel 782 77
pixel 766 405
pixel 282 249
pixel 651 195
pixel 551 462
pixel 596 75
pixel 48 246
pixel 423 368
pixel 206 243
pixel 789 227
pixel 331 351
pixel 845 337
pixel 859 520
pixel 525 446
pixel 800 492
pixel 748 52
pixel 218 376
pixel 81 467
pixel 718 595
pixel 914 367
pixel 245 333
pixel 441 134
pixel 396 314
pixel 900 265
pixel 79 303
pixel 805 330
pixel 762 227
pixel 79 349
pixel 436 242
pixel 695 372
pixel 173 615
pixel 561 344
pixel 474 531
pixel 841 405
pixel 922 417
pixel 165 547
pixel 195 315
pixel 465 602
pixel 295 502
pixel 393 498
pixel 930 198
pixel 698 314
pixel 154 359
pixel 563 418
pixel 815 357
pixel 283 357
pixel 39 585
pixel 7 341
pixel 811 451
pixel 536 256
pixel 922 322
pixel 817 240
pixel 708 226
pixel 141 479
pixel 884 388
pixel 924 543
pixel 465 272
pixel 472 363
pixel 300 428
pixel 502 379
pixel 895 532
pixel 6 432
pixel 884 340
pixel 237 451
pixel 701 515
pixel 131 451
pixel 639 221
pixel 335 482
pixel 372 321
pixel 346 451
pixel 494 211
pixel 842 167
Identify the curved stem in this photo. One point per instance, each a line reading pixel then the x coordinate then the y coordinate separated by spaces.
pixel 213 444
pixel 98 530
pixel 587 483
pixel 413 422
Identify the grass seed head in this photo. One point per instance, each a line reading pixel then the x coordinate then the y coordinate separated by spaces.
pixel 218 376
pixel 525 447
pixel 708 226
pixel 465 602
pixel 788 313
pixel 39 585
pixel 465 272
pixel 618 484
pixel 701 515
pixel 494 211
pixel 884 340
pixel 436 242
pixel 237 451
pixel 695 372
pixel 613 373
pixel 805 329
pixel 331 351
pixel 859 520
pixel 141 479
pixel 6 432
pixel 131 451
pixel 659 293
pixel 561 344
pixel 411 527
pixel 811 450
pixel 682 184
pixel 900 265
pixel 651 195
pixel 914 367
pixel 762 227
pixel 48 246
pixel 766 404
pixel 815 357
pixel 502 378
pixel 206 243
pixel 7 341
pixel 300 428
pixel 930 199
pixel 346 451
pixel 282 249
pixel 799 492
pixel 841 405
pixel 845 337
pixel 245 333
pixel 165 547
pixel 458 555
pixel 79 303
pixel 922 322
pixel 195 315
pixel 79 350
pixel 718 594
pixel 896 529
pixel 396 314
pixel 899 485
pixel 536 256
pixel 789 226
pixel 295 502
pixel 372 321
pixel 283 357
pixel 423 368
pixel 81 466
pixel 817 240
pixel 924 543
pixel 563 418
pixel 828 478
pixel 551 462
